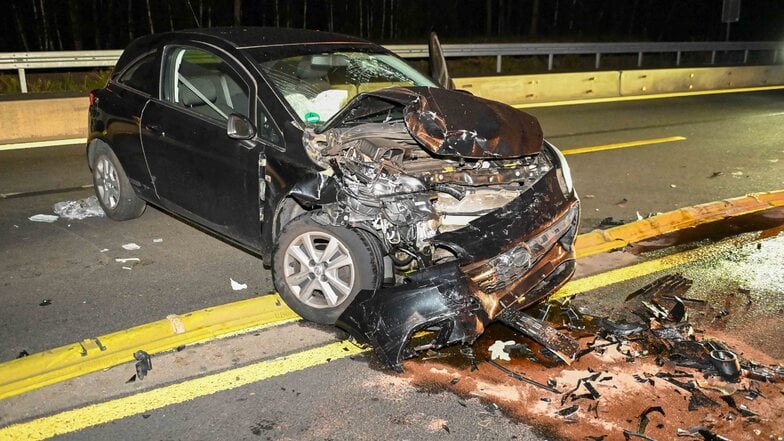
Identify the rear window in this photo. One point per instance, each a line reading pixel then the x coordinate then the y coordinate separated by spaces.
pixel 142 75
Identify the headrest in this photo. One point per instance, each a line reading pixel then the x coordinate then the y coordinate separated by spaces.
pixel 205 85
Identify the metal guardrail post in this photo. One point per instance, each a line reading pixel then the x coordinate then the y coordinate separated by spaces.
pixel 713 57
pixel 22 80
pixel 550 61
pixel 497 64
pixel 678 58
pixel 639 59
pixel 598 60
pixel 745 56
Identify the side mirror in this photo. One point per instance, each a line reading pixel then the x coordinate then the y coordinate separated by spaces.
pixel 240 127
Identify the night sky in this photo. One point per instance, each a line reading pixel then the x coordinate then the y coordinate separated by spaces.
pixel 110 24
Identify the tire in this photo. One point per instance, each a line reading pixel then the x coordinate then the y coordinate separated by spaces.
pixel 112 187
pixel 313 289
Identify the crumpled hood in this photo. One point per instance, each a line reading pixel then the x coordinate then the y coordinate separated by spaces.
pixel 453 123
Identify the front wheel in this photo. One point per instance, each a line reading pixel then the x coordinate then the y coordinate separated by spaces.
pixel 113 188
pixel 319 269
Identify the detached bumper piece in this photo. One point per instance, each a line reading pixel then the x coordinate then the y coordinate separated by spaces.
pixel 437 299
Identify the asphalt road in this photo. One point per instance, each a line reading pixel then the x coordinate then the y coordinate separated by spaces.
pixel 733 146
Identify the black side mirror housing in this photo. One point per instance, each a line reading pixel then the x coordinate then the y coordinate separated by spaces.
pixel 240 127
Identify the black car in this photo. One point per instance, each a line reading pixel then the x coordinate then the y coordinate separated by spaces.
pixel 384 202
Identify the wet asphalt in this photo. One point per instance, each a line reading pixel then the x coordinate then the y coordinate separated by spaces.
pixel 733 147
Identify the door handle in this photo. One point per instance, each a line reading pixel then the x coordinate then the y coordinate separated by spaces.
pixel 155 128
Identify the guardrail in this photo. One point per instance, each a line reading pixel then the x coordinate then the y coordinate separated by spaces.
pixel 21 61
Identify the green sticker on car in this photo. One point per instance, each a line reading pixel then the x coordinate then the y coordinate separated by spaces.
pixel 312 117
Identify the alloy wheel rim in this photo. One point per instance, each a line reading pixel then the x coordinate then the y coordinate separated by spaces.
pixel 319 270
pixel 107 182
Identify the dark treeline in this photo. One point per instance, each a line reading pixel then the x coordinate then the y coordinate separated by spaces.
pixel 34 25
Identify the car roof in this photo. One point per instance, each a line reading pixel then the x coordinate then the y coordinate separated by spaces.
pixel 248 37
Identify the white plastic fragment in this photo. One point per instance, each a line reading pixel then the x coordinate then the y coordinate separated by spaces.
pixel 498 350
pixel 104 250
pixel 639 216
pixel 127 259
pixel 48 218
pixel 236 286
pixel 131 246
pixel 127 267
pixel 673 186
pixel 159 240
pixel 81 209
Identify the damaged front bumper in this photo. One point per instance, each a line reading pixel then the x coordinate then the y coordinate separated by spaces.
pixel 512 257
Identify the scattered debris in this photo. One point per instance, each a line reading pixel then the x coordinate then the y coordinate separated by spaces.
pixel 23 354
pixel 48 218
pixel 727 364
pixel 143 364
pixel 45 302
pixel 673 186
pixel 236 286
pixel 159 240
pixel 81 209
pixel 131 246
pixel 563 346
pixel 103 250
pixel 131 380
pixel 522 378
pixel 568 411
pixel 127 268
pixel 622 202
pixel 639 216
pixel 609 222
pixel 498 350
pixel 715 174
pixel 127 259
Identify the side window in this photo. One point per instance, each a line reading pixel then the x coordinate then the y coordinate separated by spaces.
pixel 204 83
pixel 142 75
pixel 266 129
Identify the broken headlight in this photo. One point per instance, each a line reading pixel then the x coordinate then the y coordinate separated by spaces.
pixel 502 269
pixel 563 172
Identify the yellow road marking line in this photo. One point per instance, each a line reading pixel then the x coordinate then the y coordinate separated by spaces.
pixel 34 144
pixel 66 362
pixel 645 97
pixel 101 413
pixel 622 145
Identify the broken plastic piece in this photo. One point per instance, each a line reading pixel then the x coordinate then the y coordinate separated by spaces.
pixel 644 417
pixel 498 350
pixel 236 286
pixel 143 364
pixel 727 364
pixel 561 345
pixel 45 302
pixel 48 218
pixel 81 209
pixel 22 354
pixel 131 246
pixel 127 259
pixel 522 378
pixel 569 411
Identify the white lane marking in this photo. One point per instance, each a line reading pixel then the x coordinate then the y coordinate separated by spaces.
pixel 34 144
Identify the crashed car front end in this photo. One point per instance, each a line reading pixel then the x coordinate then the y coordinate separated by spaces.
pixel 475 212
pixel 521 253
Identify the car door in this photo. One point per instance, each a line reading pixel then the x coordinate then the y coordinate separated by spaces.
pixel 197 170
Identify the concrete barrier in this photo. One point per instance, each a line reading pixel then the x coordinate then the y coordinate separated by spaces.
pixel 646 82
pixel 65 118
pixel 34 120
pixel 521 89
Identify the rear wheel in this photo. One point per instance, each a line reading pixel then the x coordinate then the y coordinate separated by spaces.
pixel 113 188
pixel 319 269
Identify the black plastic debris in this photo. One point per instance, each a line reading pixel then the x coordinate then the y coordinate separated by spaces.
pixel 563 346
pixel 644 417
pixel 568 411
pixel 609 222
pixel 468 352
pixel 522 378
pixel 45 302
pixel 131 380
pixel 628 434
pixel 22 354
pixel 727 364
pixel 143 364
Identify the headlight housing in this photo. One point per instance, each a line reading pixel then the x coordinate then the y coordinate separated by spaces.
pixel 563 172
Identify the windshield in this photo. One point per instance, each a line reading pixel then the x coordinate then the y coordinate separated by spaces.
pixel 317 86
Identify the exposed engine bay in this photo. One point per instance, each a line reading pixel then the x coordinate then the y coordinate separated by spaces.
pixel 405 194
